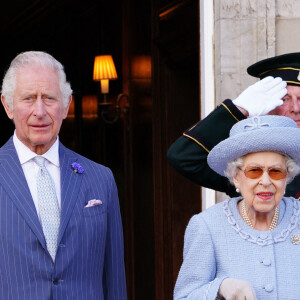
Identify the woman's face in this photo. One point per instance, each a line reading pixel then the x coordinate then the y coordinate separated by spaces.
pixel 262 194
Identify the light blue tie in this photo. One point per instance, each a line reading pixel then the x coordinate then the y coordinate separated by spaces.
pixel 48 206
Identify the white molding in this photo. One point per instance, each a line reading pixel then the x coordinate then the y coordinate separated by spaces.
pixel 207 82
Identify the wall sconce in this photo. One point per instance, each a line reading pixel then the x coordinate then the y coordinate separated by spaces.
pixel 105 70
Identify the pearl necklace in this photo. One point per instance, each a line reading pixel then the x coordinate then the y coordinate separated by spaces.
pixel 248 221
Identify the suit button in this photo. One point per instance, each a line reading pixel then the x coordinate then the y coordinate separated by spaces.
pixel 62 245
pixel 56 281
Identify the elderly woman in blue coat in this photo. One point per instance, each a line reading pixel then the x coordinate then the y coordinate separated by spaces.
pixel 248 247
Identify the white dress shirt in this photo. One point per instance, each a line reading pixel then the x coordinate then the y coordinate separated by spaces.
pixel 30 168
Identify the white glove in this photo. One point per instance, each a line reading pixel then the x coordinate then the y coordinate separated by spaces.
pixel 262 97
pixel 235 289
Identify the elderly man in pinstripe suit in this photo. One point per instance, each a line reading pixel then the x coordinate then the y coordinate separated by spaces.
pixel 60 226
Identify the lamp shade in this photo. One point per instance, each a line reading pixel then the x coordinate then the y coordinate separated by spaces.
pixel 104 68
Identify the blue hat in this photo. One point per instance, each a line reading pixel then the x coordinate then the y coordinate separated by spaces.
pixel 264 133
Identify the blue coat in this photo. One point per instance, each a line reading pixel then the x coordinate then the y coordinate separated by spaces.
pixel 219 244
pixel 89 262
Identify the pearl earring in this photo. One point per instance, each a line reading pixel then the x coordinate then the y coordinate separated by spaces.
pixel 237 190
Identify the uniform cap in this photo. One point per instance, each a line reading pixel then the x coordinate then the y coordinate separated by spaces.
pixel 286 66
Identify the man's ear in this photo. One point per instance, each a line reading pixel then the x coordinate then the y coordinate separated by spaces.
pixel 66 109
pixel 8 110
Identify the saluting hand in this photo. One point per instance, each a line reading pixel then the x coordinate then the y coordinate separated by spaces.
pixel 262 97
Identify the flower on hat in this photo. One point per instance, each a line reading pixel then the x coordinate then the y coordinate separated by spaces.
pixel 256 124
pixel 77 168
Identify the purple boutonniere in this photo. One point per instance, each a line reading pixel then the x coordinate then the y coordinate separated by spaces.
pixel 77 168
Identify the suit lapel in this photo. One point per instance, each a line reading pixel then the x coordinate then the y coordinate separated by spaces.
pixel 70 185
pixel 14 182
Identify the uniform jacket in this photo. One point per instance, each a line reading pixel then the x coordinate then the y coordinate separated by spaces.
pixel 268 260
pixel 188 154
pixel 89 262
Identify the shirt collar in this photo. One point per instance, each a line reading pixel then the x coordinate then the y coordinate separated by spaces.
pixel 25 154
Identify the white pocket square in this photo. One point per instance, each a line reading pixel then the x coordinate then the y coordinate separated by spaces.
pixel 93 202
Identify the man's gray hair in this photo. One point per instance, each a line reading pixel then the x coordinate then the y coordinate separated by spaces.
pixel 34 58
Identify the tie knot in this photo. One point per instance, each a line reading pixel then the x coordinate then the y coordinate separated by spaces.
pixel 40 161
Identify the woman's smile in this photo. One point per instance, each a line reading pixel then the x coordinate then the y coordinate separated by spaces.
pixel 265 195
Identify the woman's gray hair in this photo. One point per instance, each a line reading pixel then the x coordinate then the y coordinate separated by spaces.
pixel 233 167
pixel 34 58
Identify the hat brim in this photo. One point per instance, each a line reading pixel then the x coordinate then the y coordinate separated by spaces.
pixel 289 60
pixel 269 139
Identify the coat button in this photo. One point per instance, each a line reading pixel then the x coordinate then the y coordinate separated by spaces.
pixel 266 262
pixel 264 235
pixel 269 288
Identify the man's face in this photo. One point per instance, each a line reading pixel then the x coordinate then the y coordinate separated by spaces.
pixel 291 106
pixel 38 109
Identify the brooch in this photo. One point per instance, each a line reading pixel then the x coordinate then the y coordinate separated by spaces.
pixel 77 168
pixel 295 239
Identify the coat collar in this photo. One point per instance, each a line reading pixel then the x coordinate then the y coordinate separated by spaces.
pixel 70 185
pixel 13 180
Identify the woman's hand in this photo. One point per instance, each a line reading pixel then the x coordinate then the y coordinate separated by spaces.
pixel 235 289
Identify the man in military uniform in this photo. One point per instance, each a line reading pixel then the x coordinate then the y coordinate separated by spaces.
pixel 278 92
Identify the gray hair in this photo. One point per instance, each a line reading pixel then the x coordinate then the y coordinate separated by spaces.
pixel 34 58
pixel 233 167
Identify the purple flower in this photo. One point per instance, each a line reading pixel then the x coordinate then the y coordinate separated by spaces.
pixel 77 168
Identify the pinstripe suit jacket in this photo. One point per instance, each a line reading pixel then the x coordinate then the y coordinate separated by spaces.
pixel 89 262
